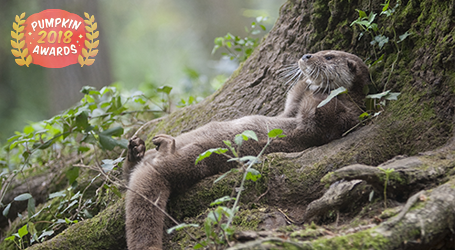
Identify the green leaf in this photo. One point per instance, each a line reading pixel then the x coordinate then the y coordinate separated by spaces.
pixel 44 145
pixel 12 237
pixel 107 142
pixel 238 139
pixel 209 153
pixel 381 40
pixel 386 6
pixel 23 197
pixel 69 222
pixel 253 174
pixel 392 96
pixel 22 231
pixel 31 207
pixel 362 13
pixel 28 129
pixel 180 226
pixel 33 232
pixel 116 131
pixel 364 116
pixel 123 143
pixel 82 120
pixel 199 246
pixel 86 89
pixel 57 194
pixel 46 233
pixel 333 93
pixel 109 164
pixel 234 170
pixel 250 134
pixel 404 36
pixel 72 174
pixel 221 200
pixel 219 41
pixel 379 95
pixel 6 210
pixel 275 133
pixel 371 17
pixel 246 158
pixel 378 61
pixel 164 89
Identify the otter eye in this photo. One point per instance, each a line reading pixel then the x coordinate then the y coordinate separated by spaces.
pixel 329 57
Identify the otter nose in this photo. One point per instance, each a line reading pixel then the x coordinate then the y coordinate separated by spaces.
pixel 306 57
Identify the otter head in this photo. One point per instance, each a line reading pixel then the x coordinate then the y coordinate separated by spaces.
pixel 330 69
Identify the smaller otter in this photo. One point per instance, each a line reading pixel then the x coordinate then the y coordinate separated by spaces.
pixel 171 166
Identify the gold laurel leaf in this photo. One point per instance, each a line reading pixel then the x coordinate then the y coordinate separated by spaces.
pixel 80 60
pixel 14 44
pixel 92 19
pixel 21 28
pixel 88 22
pixel 15 26
pixel 89 62
pixel 95 35
pixel 29 60
pixel 17 19
pixel 20 61
pixel 94 53
pixel 24 53
pixel 21 45
pixel 89 36
pixel 21 35
pixel 95 44
pixel 21 22
pixel 13 34
pixel 22 15
pixel 94 26
pixel 88 29
pixel 16 53
pixel 87 44
pixel 84 52
pixel 86 15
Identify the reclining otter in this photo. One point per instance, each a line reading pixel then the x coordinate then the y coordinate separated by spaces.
pixel 171 166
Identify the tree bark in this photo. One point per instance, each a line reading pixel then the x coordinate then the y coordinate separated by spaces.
pixel 420 120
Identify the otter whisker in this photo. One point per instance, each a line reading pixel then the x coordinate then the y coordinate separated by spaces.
pixel 295 75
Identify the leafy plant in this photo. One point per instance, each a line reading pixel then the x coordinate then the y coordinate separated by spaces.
pixel 96 123
pixel 20 237
pixel 375 102
pixel 387 173
pixel 241 48
pixel 217 225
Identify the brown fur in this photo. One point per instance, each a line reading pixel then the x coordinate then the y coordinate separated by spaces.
pixel 171 168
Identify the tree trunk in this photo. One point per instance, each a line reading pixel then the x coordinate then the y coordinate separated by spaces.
pixel 420 68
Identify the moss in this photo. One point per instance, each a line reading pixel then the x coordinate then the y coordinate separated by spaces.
pixel 308 233
pixel 109 224
pixel 360 240
pixel 389 212
pixel 248 219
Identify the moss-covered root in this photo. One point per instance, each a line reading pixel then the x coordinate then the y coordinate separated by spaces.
pixel 431 212
pixel 104 231
pixel 403 175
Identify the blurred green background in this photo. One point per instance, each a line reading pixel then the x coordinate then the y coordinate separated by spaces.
pixel 143 44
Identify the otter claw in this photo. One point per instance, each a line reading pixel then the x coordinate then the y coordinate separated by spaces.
pixel 136 149
pixel 164 143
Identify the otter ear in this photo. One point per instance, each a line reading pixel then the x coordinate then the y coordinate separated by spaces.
pixel 352 65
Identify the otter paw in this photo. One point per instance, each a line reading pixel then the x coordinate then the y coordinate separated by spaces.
pixel 164 143
pixel 136 149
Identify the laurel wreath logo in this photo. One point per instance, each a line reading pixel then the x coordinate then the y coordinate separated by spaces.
pixel 90 44
pixel 18 44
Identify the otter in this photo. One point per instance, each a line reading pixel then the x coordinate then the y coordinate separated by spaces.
pixel 170 167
